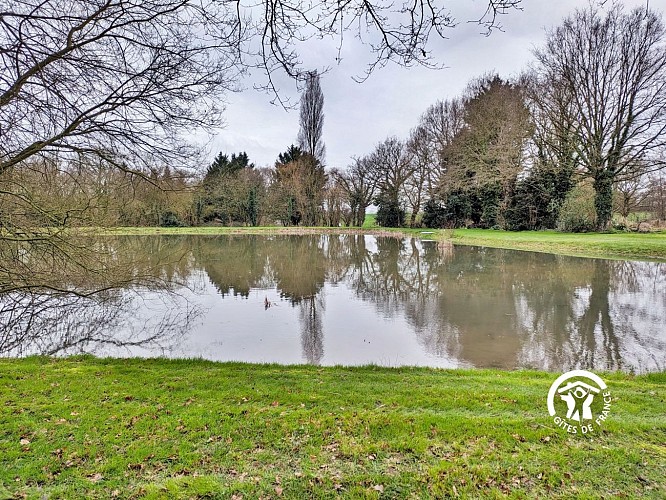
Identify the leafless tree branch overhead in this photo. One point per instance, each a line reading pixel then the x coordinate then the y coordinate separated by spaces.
pixel 126 80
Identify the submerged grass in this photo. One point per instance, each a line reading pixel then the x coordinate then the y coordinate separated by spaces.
pixel 99 428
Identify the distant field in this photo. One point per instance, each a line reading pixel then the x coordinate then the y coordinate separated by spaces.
pixel 134 428
pixel 370 220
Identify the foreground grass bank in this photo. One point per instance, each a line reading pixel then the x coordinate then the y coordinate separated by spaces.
pixel 85 427
pixel 650 246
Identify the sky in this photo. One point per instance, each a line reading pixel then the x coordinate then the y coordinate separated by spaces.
pixel 389 103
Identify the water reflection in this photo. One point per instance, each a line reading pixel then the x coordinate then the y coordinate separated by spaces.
pixel 354 299
pixel 66 324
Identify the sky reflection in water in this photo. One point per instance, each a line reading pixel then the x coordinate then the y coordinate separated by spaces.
pixel 358 299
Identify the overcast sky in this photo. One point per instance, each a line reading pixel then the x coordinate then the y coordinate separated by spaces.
pixel 358 116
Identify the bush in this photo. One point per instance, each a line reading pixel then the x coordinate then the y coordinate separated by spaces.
pixel 390 214
pixel 490 197
pixel 538 197
pixel 170 219
pixel 434 214
pixel 578 214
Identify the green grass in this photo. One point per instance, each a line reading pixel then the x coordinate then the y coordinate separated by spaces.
pixel 86 427
pixel 370 221
pixel 617 245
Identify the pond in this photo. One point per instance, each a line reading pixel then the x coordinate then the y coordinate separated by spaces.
pixel 355 299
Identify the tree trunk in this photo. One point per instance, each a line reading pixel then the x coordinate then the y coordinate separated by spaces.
pixel 603 199
pixel 361 216
pixel 412 218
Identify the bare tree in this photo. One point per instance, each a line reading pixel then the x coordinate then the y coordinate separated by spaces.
pixel 359 182
pixel 428 149
pixel 656 197
pixel 607 72
pixel 336 206
pixel 124 81
pixel 420 181
pixel 630 194
pixel 312 119
pixel 440 124
pixel 553 137
pixel 391 168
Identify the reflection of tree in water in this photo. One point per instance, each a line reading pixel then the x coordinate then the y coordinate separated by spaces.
pixel 339 253
pixel 102 309
pixel 312 335
pixel 636 302
pixel 67 324
pixel 551 312
pixel 597 318
pixel 234 264
pixel 484 307
pixel 163 260
pixel 472 317
pixel 593 314
pixel 299 265
pixel 545 298
pixel 454 299
pixel 390 277
pixel 490 307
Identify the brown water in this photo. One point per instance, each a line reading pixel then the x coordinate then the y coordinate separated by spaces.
pixel 356 299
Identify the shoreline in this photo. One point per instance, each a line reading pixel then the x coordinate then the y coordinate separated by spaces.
pixel 624 246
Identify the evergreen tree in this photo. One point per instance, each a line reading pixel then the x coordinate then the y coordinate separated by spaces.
pixel 292 153
pixel 232 190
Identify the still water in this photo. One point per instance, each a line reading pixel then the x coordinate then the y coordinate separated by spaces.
pixel 358 299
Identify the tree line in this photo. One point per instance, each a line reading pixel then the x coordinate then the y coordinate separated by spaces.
pixel 580 134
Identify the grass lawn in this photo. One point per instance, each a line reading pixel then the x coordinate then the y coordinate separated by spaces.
pixel 85 427
pixel 615 245
pixel 370 221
